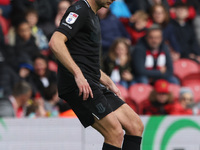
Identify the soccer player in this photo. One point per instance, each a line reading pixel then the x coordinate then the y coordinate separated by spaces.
pixel 76 44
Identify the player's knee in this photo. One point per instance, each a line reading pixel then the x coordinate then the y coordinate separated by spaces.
pixel 135 127
pixel 119 134
pixel 115 136
pixel 140 127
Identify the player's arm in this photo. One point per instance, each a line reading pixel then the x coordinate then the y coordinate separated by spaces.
pixel 105 80
pixel 58 47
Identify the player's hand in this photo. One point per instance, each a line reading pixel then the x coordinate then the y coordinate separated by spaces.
pixel 84 87
pixel 114 89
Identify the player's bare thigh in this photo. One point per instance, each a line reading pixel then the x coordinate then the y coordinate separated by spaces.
pixel 111 129
pixel 129 120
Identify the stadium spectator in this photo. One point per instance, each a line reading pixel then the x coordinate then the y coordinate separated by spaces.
pixel 44 107
pixel 5 8
pixel 32 110
pixel 160 15
pixel 136 25
pixel 196 21
pixel 63 5
pixel 186 104
pixel 186 97
pixel 35 107
pixel 151 58
pixel 25 45
pixel 120 9
pixel 2 41
pixel 41 40
pixel 51 99
pixel 25 72
pixel 44 8
pixel 191 9
pixel 46 11
pixel 14 105
pixel 160 100
pixel 185 34
pixel 144 4
pixel 8 77
pixel 117 63
pixel 111 29
pixel 42 76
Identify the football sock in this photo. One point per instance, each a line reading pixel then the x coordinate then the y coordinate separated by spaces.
pixel 109 147
pixel 131 142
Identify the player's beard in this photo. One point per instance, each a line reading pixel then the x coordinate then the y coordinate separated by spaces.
pixel 101 3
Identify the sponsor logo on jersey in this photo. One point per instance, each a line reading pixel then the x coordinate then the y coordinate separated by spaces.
pixel 71 18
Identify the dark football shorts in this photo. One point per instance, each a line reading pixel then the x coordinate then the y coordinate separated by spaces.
pixel 102 103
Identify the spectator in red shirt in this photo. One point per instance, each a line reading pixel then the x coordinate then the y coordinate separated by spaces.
pixel 185 105
pixel 160 100
pixel 136 25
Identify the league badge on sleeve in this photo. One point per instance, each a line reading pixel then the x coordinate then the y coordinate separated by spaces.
pixel 71 18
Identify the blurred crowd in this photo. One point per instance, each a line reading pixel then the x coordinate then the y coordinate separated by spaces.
pixel 141 40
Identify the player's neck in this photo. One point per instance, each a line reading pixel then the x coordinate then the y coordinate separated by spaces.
pixel 93 5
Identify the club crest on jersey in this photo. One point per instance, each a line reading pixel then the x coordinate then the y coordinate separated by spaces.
pixel 71 18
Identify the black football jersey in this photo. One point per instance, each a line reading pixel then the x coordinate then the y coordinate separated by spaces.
pixel 81 26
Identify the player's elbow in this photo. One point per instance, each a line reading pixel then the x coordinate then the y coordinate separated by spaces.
pixel 52 44
pixel 57 41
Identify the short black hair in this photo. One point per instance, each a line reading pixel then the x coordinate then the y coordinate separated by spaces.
pixel 180 5
pixel 50 91
pixel 41 57
pixel 19 22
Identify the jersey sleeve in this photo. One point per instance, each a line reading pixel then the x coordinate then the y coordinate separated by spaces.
pixel 73 21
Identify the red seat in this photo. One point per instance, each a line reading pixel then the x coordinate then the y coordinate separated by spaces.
pixel 124 92
pixel 196 90
pixel 191 78
pixel 184 67
pixel 139 92
pixel 174 89
pixel 52 66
